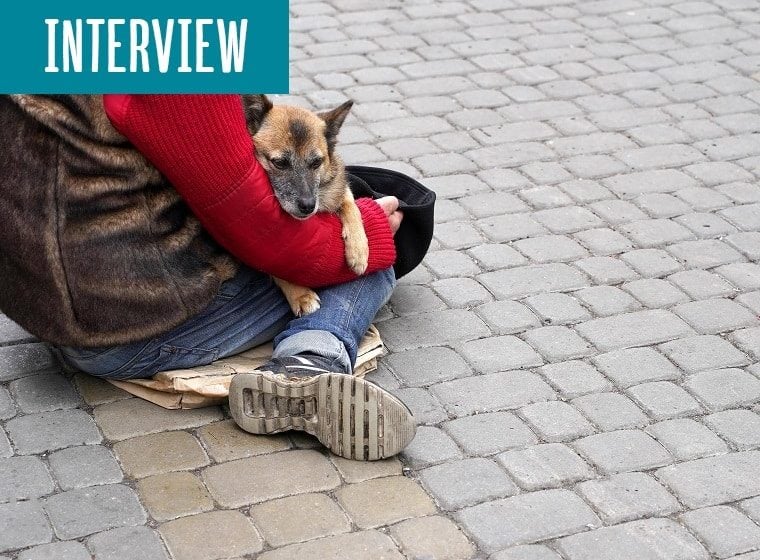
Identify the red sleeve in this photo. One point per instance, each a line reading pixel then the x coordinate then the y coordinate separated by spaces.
pixel 201 144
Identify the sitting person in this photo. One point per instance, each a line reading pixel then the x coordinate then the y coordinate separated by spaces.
pixel 140 234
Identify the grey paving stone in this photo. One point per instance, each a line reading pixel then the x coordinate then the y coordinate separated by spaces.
pixel 611 411
pixel 623 451
pixel 556 421
pixel 714 480
pixel 748 243
pixel 704 253
pixel 526 552
pixel 659 181
pixel 425 366
pixel 78 513
pixel 518 153
pixel 529 280
pixel 548 465
pixel 703 198
pixel 575 378
pixel 510 227
pixel 457 235
pixel 7 405
pixel 37 433
pixel 60 550
pixel 751 507
pixel 628 496
pixel 568 219
pixel 687 439
pixel 604 301
pixel 527 518
pixel 655 293
pixel 5 445
pixel 719 389
pixel 492 256
pixel 10 332
pixel 496 391
pixel 413 299
pixel 461 292
pixel 653 539
pixel 663 399
pixel 558 343
pixel 424 406
pixel 741 428
pixel 127 542
pixel 500 353
pixel 25 359
pixel 633 329
pixel 431 329
pixel 24 478
pixel 746 217
pixel 651 263
pixel 606 270
pixel 484 434
pixel 655 233
pixel 557 309
pixel 751 300
pixel 466 483
pixel 724 530
pixel 593 143
pixel 513 132
pixel 429 447
pixel 507 317
pixel 617 211
pixel 603 241
pixel 700 284
pixel 748 340
pixel 706 225
pixel 453 186
pixel 660 205
pixel 493 204
pixel 44 392
pixel 550 248
pixel 23 524
pixel 745 276
pixel 698 353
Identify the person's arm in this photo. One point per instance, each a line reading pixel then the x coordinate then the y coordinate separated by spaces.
pixel 202 145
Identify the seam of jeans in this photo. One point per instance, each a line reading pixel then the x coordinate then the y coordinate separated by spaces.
pixel 346 319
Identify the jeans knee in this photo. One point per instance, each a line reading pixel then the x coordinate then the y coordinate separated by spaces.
pixel 384 282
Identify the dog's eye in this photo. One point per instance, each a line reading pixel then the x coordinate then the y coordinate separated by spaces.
pixel 316 163
pixel 280 163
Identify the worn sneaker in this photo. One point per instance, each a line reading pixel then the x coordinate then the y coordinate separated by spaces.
pixel 352 417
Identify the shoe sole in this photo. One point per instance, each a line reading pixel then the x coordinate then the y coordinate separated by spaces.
pixel 352 417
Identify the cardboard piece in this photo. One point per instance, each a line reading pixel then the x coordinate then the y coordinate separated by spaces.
pixel 209 385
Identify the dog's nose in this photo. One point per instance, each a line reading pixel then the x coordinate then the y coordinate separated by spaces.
pixel 306 204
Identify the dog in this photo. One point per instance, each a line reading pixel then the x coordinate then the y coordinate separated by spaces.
pixel 296 147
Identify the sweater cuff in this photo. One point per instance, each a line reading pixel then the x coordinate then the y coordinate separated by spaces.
pixel 382 249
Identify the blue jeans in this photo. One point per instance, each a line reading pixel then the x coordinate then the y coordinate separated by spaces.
pixel 249 310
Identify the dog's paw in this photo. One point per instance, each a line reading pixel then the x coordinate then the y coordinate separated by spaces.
pixel 305 303
pixel 357 249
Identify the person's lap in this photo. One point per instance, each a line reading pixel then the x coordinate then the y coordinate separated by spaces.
pixel 249 310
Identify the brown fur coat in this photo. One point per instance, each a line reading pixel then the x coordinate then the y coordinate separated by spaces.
pixel 96 248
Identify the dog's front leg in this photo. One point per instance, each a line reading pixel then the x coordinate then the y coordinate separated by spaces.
pixel 357 246
pixel 302 300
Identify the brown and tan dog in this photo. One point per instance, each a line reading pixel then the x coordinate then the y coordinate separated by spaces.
pixel 297 149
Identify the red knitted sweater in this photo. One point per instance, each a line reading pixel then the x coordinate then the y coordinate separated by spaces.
pixel 202 145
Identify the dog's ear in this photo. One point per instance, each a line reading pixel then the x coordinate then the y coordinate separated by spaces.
pixel 334 120
pixel 256 108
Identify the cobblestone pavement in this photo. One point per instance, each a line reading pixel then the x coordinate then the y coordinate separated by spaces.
pixel 580 345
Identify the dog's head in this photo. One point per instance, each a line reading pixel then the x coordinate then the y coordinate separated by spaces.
pixel 296 147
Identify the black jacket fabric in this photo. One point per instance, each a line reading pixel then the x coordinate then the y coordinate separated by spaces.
pixel 417 202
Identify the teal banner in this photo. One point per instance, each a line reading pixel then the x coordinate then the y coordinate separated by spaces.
pixel 143 46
